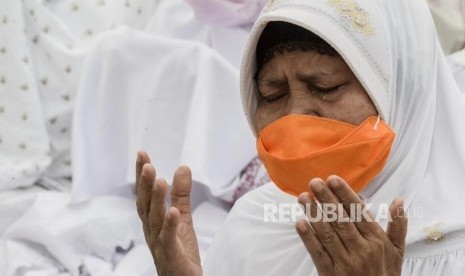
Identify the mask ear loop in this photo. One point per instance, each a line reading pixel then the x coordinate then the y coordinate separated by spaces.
pixel 377 123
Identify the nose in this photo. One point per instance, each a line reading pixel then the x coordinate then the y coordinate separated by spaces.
pixel 302 102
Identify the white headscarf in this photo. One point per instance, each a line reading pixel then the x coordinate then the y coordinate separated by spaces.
pixel 392 48
pixel 404 71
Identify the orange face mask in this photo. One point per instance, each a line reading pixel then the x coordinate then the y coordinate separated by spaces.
pixel 297 148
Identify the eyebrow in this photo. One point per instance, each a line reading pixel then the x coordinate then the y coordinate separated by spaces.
pixel 270 81
pixel 316 76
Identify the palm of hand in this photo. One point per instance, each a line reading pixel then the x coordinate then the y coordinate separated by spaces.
pixel 171 237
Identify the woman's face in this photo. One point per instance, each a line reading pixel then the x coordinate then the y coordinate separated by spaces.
pixel 311 84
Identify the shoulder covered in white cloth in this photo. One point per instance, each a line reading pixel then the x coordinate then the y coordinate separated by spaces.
pixel 284 249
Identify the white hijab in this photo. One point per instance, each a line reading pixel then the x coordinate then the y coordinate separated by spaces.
pixel 392 48
pixel 404 71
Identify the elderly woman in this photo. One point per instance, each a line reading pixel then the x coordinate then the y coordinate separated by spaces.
pixel 358 89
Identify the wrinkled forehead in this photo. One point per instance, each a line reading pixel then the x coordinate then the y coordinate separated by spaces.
pixel 353 28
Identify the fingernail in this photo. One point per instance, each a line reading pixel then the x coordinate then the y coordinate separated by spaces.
pixel 333 181
pixel 304 198
pixel 302 227
pixel 316 185
pixel 340 181
pixel 144 169
pixel 156 186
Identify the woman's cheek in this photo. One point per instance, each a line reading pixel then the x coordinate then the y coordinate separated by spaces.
pixel 265 115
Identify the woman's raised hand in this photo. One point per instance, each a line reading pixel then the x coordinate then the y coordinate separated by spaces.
pixel 345 247
pixel 169 235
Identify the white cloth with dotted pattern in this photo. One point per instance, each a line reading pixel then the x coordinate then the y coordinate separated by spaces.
pixel 43 45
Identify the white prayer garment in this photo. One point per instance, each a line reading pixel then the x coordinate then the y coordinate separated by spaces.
pixel 44 44
pixel 42 47
pixel 42 234
pixel 171 91
pixel 457 65
pixel 392 48
pixel 227 13
pixel 192 103
pixel 176 19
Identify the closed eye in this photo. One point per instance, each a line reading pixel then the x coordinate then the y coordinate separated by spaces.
pixel 327 90
pixel 274 97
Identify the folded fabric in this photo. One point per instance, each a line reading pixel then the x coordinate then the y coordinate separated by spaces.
pixel 176 99
pixel 449 18
pixel 42 47
pixel 49 236
pixel 176 19
pixel 457 65
pixel 227 13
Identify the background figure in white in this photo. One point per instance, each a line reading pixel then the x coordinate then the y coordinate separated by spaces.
pixel 43 45
pixel 156 91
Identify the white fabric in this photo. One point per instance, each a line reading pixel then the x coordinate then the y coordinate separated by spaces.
pixel 175 99
pixel 176 19
pixel 171 90
pixel 44 235
pixel 39 76
pixel 42 47
pixel 449 17
pixel 457 64
pixel 247 245
pixel 426 166
pixel 24 142
pixel 227 13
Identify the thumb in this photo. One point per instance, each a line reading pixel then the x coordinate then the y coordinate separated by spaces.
pixel 397 227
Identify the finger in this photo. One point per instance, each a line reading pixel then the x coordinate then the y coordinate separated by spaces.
pixel 320 257
pixel 339 218
pixel 168 234
pixel 142 159
pixel 397 227
pixel 355 207
pixel 144 195
pixel 323 230
pixel 157 212
pixel 180 193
